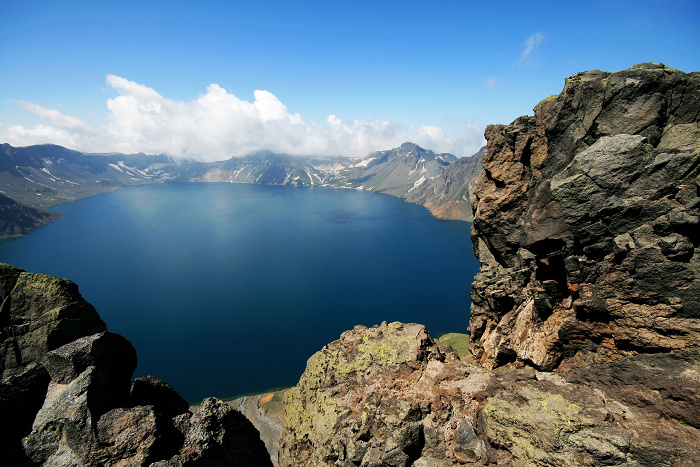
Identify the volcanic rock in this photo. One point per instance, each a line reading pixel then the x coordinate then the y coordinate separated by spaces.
pixel 586 224
pixel 66 394
pixel 392 396
pixel 39 313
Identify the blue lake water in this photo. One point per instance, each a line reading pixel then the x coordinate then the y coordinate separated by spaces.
pixel 227 289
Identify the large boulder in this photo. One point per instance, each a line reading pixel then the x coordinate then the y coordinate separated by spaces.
pixel 89 377
pixel 39 313
pixel 586 224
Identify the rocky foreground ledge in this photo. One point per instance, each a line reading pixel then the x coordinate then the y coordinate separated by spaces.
pixel 389 395
pixel 392 396
pixel 66 396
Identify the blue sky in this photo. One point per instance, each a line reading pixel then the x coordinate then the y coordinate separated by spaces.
pixel 211 80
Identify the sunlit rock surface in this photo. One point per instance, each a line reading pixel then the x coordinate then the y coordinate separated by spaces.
pixel 392 396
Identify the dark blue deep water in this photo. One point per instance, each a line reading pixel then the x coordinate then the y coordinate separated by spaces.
pixel 226 289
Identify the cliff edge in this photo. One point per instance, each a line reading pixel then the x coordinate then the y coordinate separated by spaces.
pixel 392 396
pixel 586 224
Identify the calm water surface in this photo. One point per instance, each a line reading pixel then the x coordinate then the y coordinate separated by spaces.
pixel 226 289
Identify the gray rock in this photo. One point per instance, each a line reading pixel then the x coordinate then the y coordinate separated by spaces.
pixel 600 186
pixel 39 313
pixel 165 400
pixel 66 392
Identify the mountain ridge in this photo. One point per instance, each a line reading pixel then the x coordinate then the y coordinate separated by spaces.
pixel 46 175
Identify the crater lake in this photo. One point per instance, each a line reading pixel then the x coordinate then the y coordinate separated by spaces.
pixel 227 289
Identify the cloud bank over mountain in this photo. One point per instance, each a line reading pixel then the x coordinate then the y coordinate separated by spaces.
pixel 218 125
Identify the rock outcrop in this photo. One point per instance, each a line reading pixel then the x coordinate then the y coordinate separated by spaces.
pixel 586 224
pixel 391 396
pixel 67 399
pixel 38 314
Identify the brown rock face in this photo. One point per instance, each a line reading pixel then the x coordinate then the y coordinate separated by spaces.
pixel 586 224
pixel 387 396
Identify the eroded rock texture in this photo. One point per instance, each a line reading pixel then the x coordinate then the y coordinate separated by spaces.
pixel 391 396
pixel 586 224
pixel 67 400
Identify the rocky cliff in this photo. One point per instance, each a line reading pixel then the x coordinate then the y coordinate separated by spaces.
pixel 586 224
pixel 67 399
pixel 392 396
pixel 586 228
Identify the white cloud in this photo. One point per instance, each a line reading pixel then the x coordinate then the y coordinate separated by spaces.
pixel 69 122
pixel 218 125
pixel 41 134
pixel 531 44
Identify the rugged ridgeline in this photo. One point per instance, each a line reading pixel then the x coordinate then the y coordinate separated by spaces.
pixel 441 182
pixel 586 227
pixel 586 224
pixel 66 395
pixel 47 175
pixel 397 172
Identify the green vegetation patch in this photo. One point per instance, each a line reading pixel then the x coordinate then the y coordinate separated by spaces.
pixel 459 342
